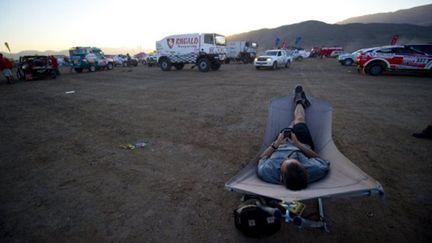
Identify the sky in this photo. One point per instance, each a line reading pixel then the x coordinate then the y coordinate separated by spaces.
pixel 60 24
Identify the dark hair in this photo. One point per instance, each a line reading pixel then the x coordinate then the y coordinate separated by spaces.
pixel 295 177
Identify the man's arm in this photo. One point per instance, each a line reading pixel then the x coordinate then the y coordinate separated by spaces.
pixel 306 151
pixel 273 146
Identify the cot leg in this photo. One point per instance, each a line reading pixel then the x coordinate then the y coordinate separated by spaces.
pixel 321 213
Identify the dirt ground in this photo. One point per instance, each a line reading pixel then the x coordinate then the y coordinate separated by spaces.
pixel 64 178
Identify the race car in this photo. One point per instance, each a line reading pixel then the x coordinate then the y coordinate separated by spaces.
pixel 393 58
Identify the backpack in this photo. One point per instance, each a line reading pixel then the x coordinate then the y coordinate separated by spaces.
pixel 255 219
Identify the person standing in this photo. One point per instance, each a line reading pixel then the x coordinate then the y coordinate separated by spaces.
pixel 5 68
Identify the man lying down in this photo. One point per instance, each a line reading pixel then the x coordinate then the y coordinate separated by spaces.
pixel 291 159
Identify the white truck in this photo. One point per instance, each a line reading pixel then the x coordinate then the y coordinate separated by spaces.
pixel 273 59
pixel 207 51
pixel 244 51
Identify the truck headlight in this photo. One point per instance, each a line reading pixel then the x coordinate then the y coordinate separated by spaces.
pixel 269 59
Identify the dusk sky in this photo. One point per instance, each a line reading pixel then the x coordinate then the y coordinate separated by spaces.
pixel 60 24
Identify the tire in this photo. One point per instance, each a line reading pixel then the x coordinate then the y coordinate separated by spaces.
pixel 179 66
pixel 348 62
pixel 287 64
pixel 274 66
pixel 215 66
pixel 78 70
pixel 257 68
pixel 203 64
pixel 92 68
pixel 110 66
pixel 375 69
pixel 165 64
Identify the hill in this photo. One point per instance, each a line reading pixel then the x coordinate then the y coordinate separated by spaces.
pixel 349 36
pixel 421 15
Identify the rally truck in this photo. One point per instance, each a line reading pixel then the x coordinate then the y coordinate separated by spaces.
pixel 90 58
pixel 244 51
pixel 207 51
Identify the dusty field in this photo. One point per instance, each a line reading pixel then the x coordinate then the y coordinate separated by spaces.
pixel 63 176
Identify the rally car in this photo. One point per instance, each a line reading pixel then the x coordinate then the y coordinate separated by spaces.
pixel 389 58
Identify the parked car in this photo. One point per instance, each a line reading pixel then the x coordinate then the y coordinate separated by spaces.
pixel 394 58
pixel 90 58
pixel 151 60
pixel 35 67
pixel 298 54
pixel 273 59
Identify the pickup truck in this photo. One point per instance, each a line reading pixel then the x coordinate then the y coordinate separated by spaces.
pixel 273 59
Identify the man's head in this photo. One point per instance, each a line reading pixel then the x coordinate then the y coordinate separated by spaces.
pixel 294 175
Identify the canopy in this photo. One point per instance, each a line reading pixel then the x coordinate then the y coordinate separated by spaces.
pixel 344 178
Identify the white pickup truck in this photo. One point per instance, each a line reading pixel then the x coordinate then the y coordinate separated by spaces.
pixel 273 59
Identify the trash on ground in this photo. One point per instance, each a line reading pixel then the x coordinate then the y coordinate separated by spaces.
pixel 133 146
pixel 70 92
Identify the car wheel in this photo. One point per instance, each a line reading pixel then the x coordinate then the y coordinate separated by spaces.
pixel 287 64
pixel 348 62
pixel 274 67
pixel 257 68
pixel 92 68
pixel 165 64
pixel 110 66
pixel 203 64
pixel 375 69
pixel 78 70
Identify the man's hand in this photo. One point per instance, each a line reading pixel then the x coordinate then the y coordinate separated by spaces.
pixel 280 139
pixel 293 140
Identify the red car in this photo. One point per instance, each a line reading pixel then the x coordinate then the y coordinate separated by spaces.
pixel 393 58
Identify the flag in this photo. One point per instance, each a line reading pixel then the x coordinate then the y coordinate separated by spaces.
pixel 283 45
pixel 277 42
pixel 297 40
pixel 394 39
pixel 7 46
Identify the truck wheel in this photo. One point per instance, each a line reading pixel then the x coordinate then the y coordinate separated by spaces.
pixel 257 68
pixel 203 64
pixel 274 67
pixel 110 66
pixel 179 66
pixel 375 69
pixel 287 64
pixel 165 64
pixel 92 68
pixel 215 66
pixel 78 70
pixel 348 62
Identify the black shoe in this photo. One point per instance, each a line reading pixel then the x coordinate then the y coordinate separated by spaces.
pixel 426 133
pixel 300 97
pixel 306 101
pixel 298 90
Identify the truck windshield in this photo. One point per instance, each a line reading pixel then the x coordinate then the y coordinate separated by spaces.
pixel 220 40
pixel 271 53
